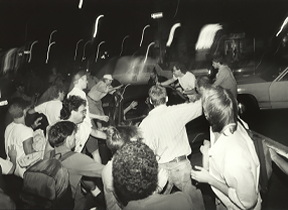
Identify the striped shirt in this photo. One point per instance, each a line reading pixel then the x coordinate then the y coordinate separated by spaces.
pixel 164 129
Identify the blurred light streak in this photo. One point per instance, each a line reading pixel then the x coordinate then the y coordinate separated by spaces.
pixel 284 23
pixel 207 35
pixel 48 51
pixel 76 49
pixel 96 25
pixel 97 53
pixel 171 35
pixel 84 49
pixel 152 43
pixel 30 50
pixel 51 36
pixel 157 15
pixel 143 34
pixel 122 46
pixel 80 4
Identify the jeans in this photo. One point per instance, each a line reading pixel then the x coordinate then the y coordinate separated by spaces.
pixel 179 175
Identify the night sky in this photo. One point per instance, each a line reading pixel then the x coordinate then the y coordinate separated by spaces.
pixel 24 21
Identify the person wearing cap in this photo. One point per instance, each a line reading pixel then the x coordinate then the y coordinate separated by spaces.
pixel 99 91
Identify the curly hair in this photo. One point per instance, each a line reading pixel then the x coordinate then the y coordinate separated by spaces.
pixel 60 131
pixel 220 108
pixel 134 172
pixel 70 104
pixel 119 135
pixel 157 95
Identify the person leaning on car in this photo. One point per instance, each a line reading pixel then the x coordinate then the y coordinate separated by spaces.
pixel 224 77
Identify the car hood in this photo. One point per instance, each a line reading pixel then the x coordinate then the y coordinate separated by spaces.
pixel 249 79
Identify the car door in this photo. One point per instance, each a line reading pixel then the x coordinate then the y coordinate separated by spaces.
pixel 279 91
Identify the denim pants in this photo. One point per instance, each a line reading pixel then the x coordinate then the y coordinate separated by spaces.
pixel 179 175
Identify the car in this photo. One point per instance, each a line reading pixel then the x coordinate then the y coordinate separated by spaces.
pixel 267 90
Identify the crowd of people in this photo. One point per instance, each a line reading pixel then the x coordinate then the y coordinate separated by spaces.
pixel 147 162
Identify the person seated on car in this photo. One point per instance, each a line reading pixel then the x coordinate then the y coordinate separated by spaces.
pixel 230 162
pixel 135 180
pixel 224 77
pixel 185 78
pixel 99 91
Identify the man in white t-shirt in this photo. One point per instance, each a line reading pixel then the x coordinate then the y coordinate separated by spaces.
pixel 18 134
pixel 8 166
pixel 185 78
pixel 51 109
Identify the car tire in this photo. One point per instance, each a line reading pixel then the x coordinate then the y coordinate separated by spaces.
pixel 247 105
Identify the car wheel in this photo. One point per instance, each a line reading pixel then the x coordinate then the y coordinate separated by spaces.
pixel 247 105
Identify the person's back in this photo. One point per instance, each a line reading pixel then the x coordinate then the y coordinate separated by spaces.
pixel 16 134
pixel 46 185
pixel 177 200
pixel 51 109
pixel 166 124
pixel 165 127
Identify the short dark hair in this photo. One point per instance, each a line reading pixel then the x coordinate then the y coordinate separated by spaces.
pixel 157 95
pixel 203 82
pixel 135 170
pixel 16 109
pixel 219 58
pixel 180 66
pixel 119 135
pixel 60 131
pixel 220 108
pixel 70 104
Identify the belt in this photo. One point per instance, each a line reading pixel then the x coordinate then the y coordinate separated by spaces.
pixel 178 159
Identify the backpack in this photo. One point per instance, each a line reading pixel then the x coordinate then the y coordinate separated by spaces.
pixel 264 157
pixel 46 184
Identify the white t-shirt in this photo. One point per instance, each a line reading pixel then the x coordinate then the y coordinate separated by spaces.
pixel 16 134
pixel 51 110
pixel 6 165
pixel 84 129
pixel 187 81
